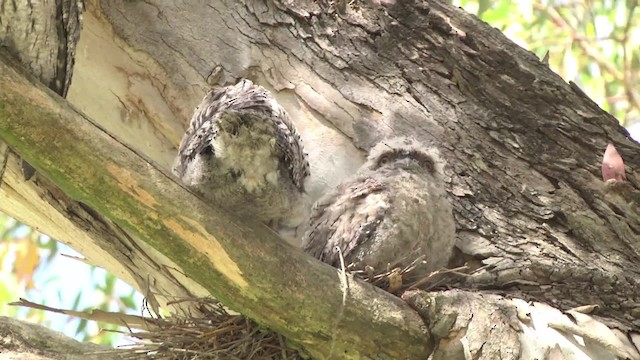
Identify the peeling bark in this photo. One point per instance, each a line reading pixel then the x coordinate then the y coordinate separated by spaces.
pixel 523 147
pixel 42 36
pixel 242 263
pixel 487 326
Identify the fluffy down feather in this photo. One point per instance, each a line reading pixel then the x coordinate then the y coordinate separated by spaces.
pixel 393 210
pixel 243 153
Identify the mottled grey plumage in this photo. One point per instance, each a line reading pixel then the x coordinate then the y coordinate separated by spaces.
pixel 242 152
pixel 395 204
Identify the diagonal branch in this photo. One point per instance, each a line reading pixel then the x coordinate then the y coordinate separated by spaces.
pixel 241 263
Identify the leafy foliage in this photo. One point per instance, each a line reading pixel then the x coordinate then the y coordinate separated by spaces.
pixel 33 267
pixel 596 44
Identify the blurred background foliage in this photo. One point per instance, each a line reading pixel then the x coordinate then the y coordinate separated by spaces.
pixel 42 270
pixel 596 44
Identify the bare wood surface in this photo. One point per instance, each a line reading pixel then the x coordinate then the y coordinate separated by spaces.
pixel 523 146
pixel 244 265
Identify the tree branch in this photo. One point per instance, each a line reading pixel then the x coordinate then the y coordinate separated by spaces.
pixel 23 340
pixel 244 265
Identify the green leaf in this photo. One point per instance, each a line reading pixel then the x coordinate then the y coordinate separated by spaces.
pixel 483 5
pixel 81 327
pixel 76 301
pixel 110 282
pixel 129 301
pixel 500 13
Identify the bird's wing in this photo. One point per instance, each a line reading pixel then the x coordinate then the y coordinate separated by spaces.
pixel 203 128
pixel 346 218
pixel 290 144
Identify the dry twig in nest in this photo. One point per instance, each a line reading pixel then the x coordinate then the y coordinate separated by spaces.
pixel 216 335
pixel 396 279
pixel 220 335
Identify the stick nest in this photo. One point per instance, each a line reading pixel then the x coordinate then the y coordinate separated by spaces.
pixel 220 335
pixel 214 335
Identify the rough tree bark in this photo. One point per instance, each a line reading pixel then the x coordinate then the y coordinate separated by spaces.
pixel 523 147
pixel 21 340
pixel 261 277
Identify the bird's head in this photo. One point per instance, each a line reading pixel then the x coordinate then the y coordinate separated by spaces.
pixel 227 93
pixel 407 154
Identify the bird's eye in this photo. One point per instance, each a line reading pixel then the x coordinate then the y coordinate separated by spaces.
pixel 428 163
pixel 384 159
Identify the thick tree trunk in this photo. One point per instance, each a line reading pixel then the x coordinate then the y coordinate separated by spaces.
pixel 243 264
pixel 523 147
